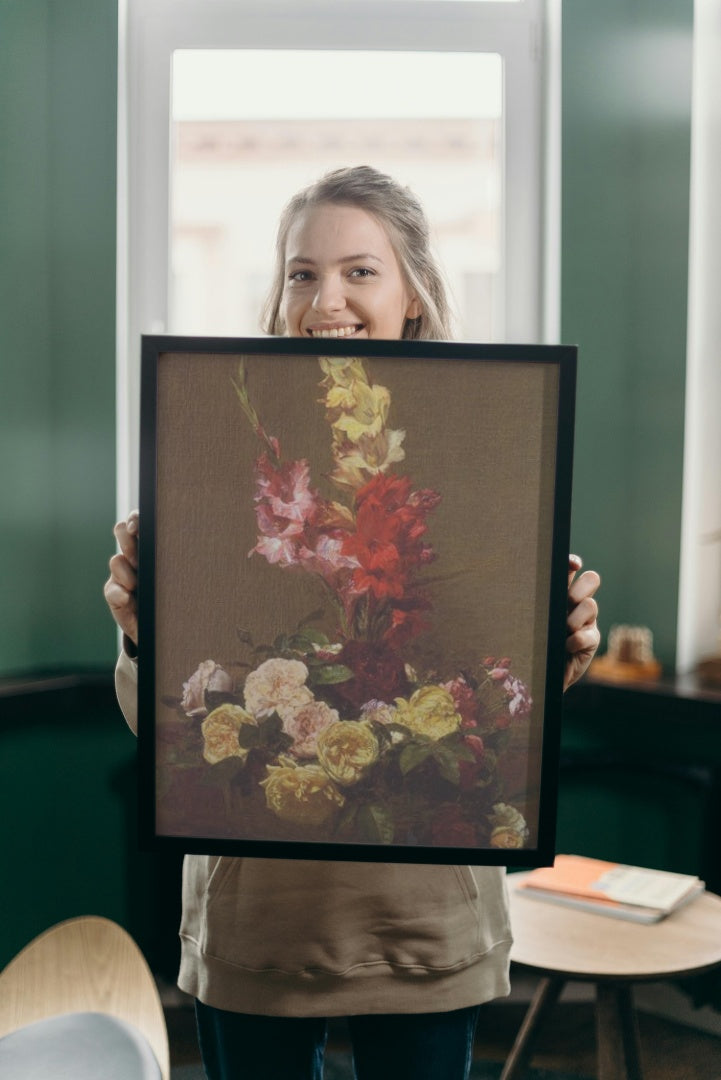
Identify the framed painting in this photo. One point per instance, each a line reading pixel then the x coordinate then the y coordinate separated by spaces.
pixel 352 597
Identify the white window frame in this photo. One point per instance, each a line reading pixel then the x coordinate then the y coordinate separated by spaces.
pixel 699 597
pixel 526 34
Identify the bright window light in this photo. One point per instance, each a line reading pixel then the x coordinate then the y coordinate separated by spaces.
pixel 238 155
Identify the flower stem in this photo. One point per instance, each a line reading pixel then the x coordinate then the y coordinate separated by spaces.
pixel 241 389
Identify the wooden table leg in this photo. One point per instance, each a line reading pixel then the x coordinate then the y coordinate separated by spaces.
pixel 545 997
pixel 617 1033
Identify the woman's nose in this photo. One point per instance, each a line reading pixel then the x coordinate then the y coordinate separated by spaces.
pixel 329 296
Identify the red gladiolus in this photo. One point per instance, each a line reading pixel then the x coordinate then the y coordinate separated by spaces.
pixel 390 521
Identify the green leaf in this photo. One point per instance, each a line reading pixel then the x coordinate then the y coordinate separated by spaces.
pixel 347 819
pixel 223 772
pixel 376 823
pixel 271 734
pixel 454 744
pixel 414 754
pixel 330 674
pixel 447 764
pixel 215 698
pixel 305 639
pixel 248 736
pixel 172 702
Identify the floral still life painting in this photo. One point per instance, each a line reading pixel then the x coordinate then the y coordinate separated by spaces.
pixel 351 717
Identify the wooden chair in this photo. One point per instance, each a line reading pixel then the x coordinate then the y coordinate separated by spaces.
pixel 88 971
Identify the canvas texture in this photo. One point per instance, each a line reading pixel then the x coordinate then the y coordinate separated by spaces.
pixel 480 435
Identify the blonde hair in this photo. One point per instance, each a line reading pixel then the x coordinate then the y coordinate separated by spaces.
pixel 403 217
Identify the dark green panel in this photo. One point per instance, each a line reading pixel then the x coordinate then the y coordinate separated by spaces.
pixel 63 787
pixel 626 145
pixel 641 776
pixel 57 323
pixel 82 203
pixel 26 482
pixel 625 817
pixel 68 786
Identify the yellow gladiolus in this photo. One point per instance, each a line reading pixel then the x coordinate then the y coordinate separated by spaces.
pixel 342 370
pixel 356 464
pixel 368 414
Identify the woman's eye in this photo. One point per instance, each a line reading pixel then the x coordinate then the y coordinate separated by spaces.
pixel 300 276
pixel 362 272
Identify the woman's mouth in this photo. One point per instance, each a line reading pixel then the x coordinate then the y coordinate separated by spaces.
pixel 335 331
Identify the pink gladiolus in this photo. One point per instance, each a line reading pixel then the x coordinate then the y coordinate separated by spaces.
pixel 285 494
pixel 520 701
pixel 278 550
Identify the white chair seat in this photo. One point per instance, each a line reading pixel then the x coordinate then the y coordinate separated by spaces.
pixel 78 1046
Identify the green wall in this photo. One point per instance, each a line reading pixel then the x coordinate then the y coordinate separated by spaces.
pixel 626 134
pixel 58 72
pixel 626 125
pixel 626 145
pixel 67 772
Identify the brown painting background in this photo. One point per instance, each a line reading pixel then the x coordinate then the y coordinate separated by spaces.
pixel 481 433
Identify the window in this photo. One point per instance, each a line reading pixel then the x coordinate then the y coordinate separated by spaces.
pixel 236 160
pixel 699 623
pixel 227 107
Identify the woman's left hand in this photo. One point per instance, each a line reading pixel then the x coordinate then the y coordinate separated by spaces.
pixel 583 635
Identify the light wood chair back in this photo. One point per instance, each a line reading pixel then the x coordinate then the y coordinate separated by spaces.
pixel 87 964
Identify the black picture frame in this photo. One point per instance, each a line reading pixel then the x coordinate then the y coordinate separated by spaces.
pixel 242 754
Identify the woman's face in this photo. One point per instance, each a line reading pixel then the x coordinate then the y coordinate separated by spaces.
pixel 342 277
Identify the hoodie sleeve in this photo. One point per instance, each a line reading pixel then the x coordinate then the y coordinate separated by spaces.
pixel 126 688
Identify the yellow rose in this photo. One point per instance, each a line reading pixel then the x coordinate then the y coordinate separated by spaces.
pixel 506 838
pixel 430 711
pixel 303 795
pixel 220 733
pixel 510 829
pixel 346 750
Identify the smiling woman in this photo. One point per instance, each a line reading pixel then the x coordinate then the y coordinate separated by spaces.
pixel 353 259
pixel 336 293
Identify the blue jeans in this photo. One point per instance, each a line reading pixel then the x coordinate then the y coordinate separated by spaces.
pixel 414 1046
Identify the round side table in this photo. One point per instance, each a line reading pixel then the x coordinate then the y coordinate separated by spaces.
pixel 563 944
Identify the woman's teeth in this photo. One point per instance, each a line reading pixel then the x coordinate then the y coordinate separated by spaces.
pixel 337 331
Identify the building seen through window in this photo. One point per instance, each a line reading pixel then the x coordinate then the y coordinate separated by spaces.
pixel 231 175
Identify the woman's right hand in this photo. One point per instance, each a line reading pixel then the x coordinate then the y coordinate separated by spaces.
pixel 121 587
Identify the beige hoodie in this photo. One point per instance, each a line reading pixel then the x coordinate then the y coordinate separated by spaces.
pixel 285 937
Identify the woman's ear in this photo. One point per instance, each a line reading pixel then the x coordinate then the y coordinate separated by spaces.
pixel 415 309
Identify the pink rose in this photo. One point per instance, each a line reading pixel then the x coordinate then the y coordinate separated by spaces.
pixel 277 685
pixel 209 676
pixel 305 725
